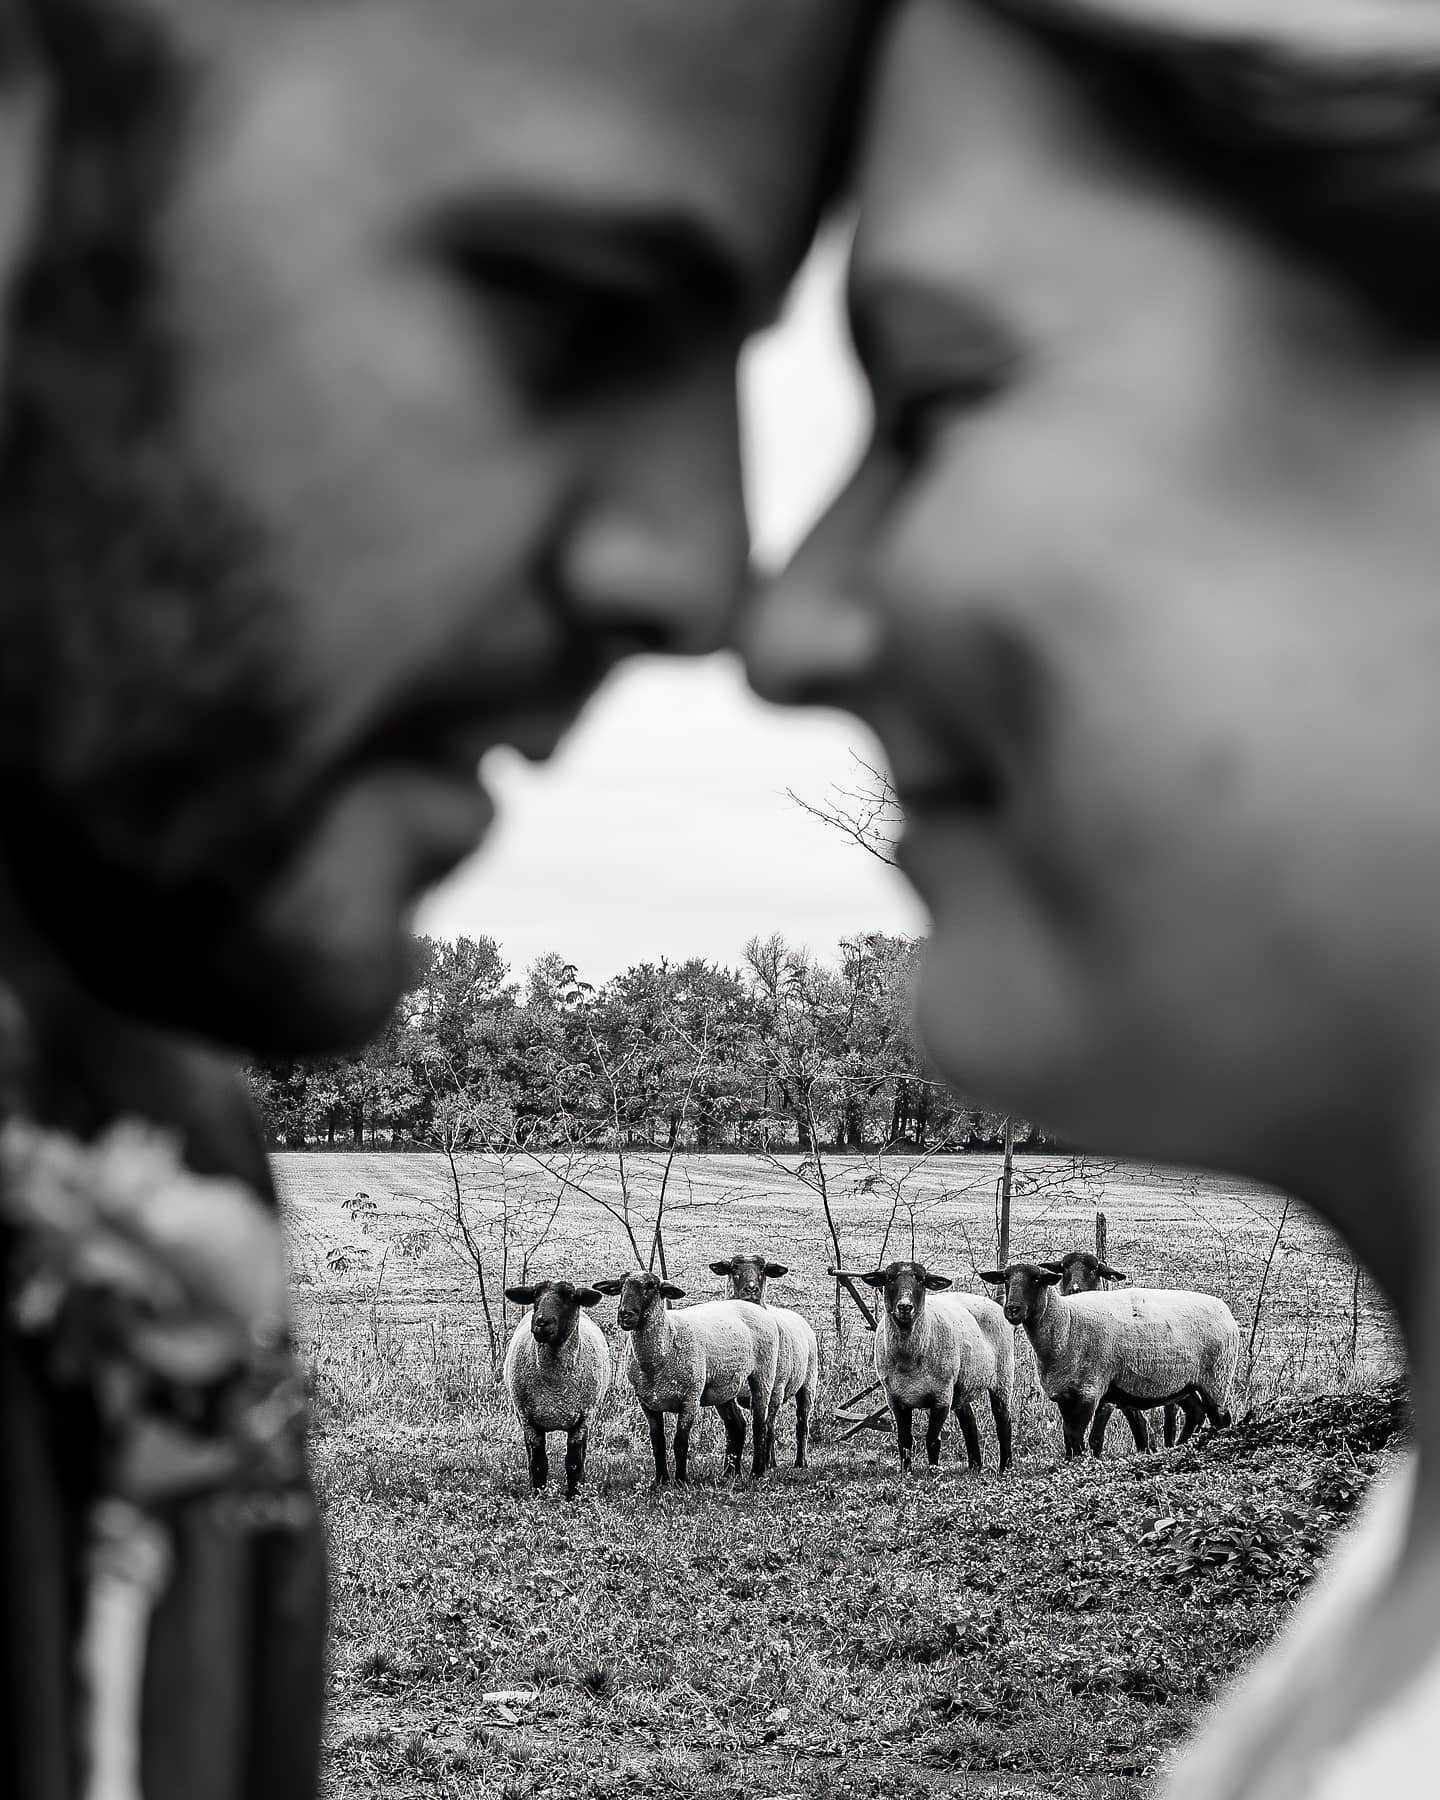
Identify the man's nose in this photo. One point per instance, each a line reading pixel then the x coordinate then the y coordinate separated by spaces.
pixel 655 553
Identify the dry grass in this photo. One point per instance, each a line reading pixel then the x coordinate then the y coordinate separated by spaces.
pixel 832 1632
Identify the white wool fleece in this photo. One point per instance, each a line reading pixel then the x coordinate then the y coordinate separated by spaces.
pixel 1150 1342
pixel 944 1350
pixel 798 1365
pixel 553 1387
pixel 703 1355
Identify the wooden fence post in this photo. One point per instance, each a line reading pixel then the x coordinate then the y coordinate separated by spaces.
pixel 1100 1237
pixel 1007 1174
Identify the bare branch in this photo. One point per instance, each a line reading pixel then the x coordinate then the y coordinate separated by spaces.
pixel 867 814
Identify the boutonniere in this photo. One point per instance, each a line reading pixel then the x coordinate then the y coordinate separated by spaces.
pixel 162 1296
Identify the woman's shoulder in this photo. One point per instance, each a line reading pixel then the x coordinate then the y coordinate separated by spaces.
pixel 1236 1741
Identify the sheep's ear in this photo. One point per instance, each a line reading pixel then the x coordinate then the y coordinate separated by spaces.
pixel 612 1288
pixel 1111 1274
pixel 773 1271
pixel 1048 1277
pixel 523 1296
pixel 671 1292
pixel 720 1268
pixel 873 1278
pixel 938 1283
pixel 994 1276
pixel 588 1296
pixel 1058 1267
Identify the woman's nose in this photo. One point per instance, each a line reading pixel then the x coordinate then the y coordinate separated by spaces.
pixel 814 634
pixel 805 644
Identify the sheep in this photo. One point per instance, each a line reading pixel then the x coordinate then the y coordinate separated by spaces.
pixel 556 1372
pixel 703 1356
pixel 798 1370
pixel 940 1353
pixel 1139 1348
pixel 1081 1272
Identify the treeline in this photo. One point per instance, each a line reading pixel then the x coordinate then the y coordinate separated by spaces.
pixel 788 1050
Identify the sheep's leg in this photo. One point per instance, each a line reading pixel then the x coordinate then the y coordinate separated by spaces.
pixel 934 1430
pixel 1076 1412
pixel 777 1400
pixel 802 1425
pixel 1194 1409
pixel 576 1439
pixel 657 1445
pixel 539 1462
pixel 1139 1426
pixel 684 1425
pixel 965 1414
pixel 904 1436
pixel 1210 1401
pixel 763 1413
pixel 734 1417
pixel 1172 1421
pixel 1000 1407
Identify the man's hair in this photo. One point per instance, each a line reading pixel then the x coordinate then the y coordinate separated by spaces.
pixel 1319 125
pixel 16 59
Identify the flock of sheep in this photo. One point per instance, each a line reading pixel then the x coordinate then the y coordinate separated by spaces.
pixel 935 1350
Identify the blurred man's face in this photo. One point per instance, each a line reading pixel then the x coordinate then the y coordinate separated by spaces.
pixel 371 390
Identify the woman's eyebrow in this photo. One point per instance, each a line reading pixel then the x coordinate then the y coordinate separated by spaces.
pixel 904 322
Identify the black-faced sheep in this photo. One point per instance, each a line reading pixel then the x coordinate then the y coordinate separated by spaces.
pixel 1081 1272
pixel 556 1372
pixel 797 1371
pixel 932 1350
pixel 1139 1347
pixel 702 1356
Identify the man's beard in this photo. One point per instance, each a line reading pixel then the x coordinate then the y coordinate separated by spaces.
pixel 145 706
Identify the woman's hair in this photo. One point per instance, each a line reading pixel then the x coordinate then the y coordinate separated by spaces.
pixel 1318 120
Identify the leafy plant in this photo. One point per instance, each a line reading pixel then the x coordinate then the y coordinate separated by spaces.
pixel 1259 1543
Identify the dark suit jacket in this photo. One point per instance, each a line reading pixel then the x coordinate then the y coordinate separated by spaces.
pixel 235 1670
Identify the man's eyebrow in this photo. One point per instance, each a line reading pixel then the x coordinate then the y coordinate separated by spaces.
pixel 904 322
pixel 606 246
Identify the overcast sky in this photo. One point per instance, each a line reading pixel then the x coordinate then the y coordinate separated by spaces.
pixel 662 827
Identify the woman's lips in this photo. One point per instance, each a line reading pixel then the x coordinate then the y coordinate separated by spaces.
pixel 973 791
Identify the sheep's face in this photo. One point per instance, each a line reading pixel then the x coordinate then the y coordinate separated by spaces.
pixel 1024 1285
pixel 905 1285
pixel 747 1276
pixel 640 1295
pixel 556 1307
pixel 1081 1272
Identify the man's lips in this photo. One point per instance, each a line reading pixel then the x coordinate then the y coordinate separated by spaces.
pixel 451 747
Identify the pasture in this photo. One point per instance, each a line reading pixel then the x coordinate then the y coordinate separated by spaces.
pixel 837 1631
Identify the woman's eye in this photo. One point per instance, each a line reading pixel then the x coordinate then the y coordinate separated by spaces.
pixel 914 425
pixel 920 416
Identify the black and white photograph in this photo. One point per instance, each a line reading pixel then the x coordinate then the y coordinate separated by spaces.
pixel 719 899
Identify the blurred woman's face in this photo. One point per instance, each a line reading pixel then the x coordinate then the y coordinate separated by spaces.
pixel 1139 584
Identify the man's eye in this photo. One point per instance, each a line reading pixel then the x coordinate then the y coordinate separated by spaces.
pixel 562 337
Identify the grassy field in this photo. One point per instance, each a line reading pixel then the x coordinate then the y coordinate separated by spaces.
pixel 835 1631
